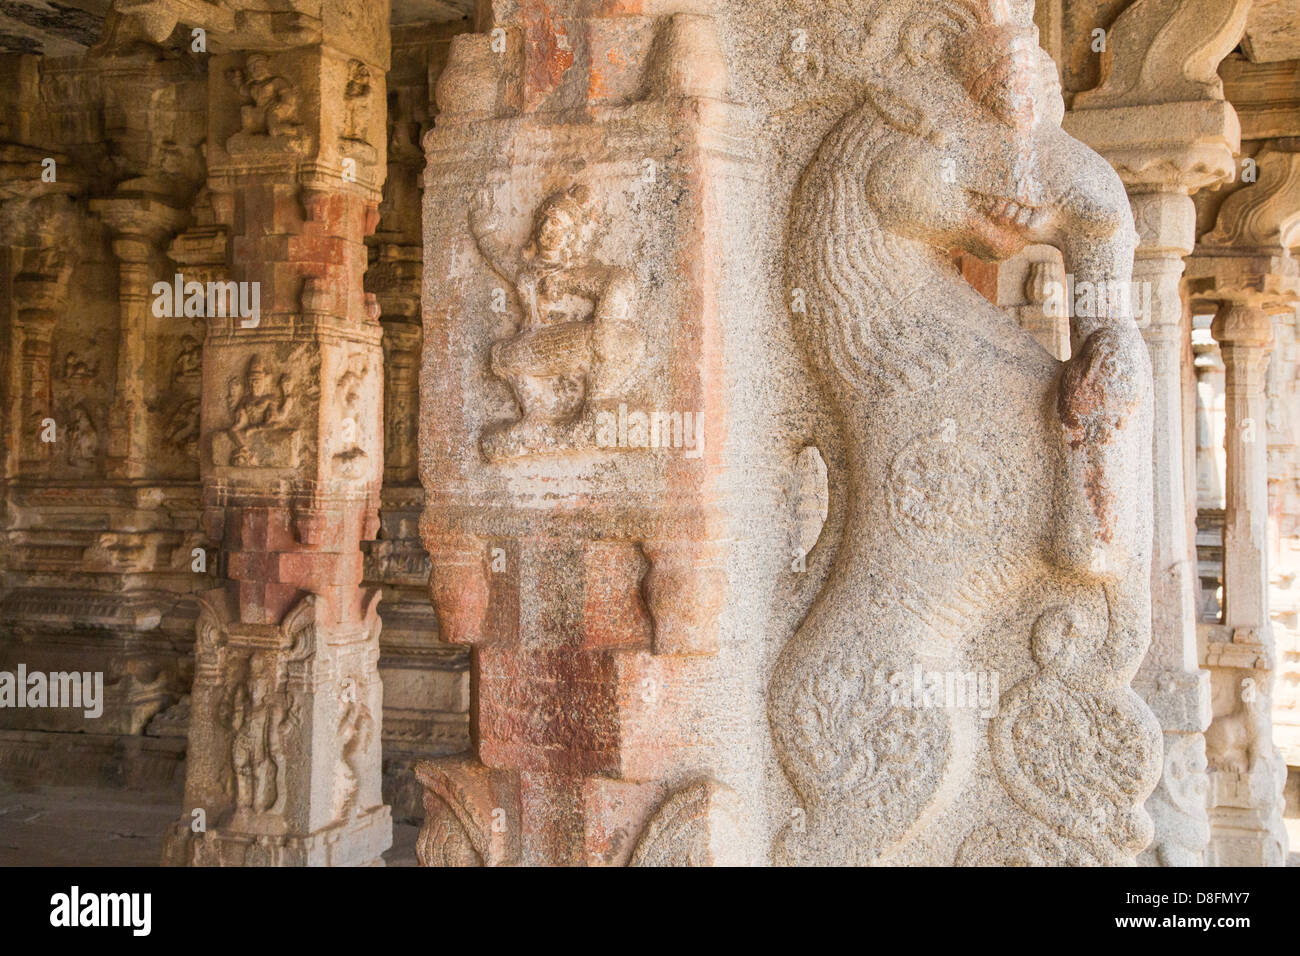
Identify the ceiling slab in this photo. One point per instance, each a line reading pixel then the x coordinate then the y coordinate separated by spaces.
pixel 1273 31
pixel 50 27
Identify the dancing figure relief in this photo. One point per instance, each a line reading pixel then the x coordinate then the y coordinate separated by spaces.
pixel 577 341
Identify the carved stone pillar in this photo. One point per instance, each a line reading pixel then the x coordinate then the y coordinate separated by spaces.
pixel 1208 366
pixel 1171 679
pixel 1244 267
pixel 1159 116
pixel 31 342
pixel 1208 370
pixel 571 466
pixel 628 273
pixel 1284 529
pixel 40 264
pixel 284 748
pixel 1244 332
pixel 141 228
pixel 202 255
pixel 1248 771
pixel 91 548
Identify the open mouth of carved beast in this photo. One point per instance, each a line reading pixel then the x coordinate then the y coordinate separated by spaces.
pixel 1009 213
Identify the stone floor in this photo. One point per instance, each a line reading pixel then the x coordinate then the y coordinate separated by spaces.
pixel 85 826
pixel 81 826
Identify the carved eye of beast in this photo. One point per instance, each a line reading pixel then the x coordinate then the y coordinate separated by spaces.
pixel 997 65
pixel 994 57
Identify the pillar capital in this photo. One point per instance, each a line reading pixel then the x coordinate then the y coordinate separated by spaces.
pixel 1246 259
pixel 1175 146
pixel 1263 216
pixel 1244 267
pixel 141 225
pixel 1242 323
pixel 1158 114
pixel 1162 51
pixel 1159 118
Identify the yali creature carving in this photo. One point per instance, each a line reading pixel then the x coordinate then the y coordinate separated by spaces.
pixel 989 485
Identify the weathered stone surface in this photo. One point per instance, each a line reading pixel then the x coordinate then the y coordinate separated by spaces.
pixel 951 556
pixel 656 433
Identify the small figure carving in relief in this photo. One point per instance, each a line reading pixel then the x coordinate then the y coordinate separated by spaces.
pixel 351 458
pixel 399 442
pixel 258 720
pixel 259 412
pixel 75 368
pixel 183 427
pixel 356 96
pixel 356 733
pixel 188 366
pixel 271 105
pixel 83 439
pixel 575 340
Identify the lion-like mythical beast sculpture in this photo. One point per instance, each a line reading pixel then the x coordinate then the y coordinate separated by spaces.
pixel 998 514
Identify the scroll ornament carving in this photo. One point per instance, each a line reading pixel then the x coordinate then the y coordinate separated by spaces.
pixel 443 839
pixel 457 828
pixel 700 825
pixel 1018 844
pixel 848 743
pixel 1079 757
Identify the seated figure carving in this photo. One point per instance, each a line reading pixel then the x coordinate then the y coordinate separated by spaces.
pixel 261 433
pixel 269 113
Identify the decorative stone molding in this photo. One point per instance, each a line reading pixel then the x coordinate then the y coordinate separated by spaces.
pixel 1165 51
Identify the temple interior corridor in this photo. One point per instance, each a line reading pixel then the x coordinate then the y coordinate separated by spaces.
pixel 653 432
